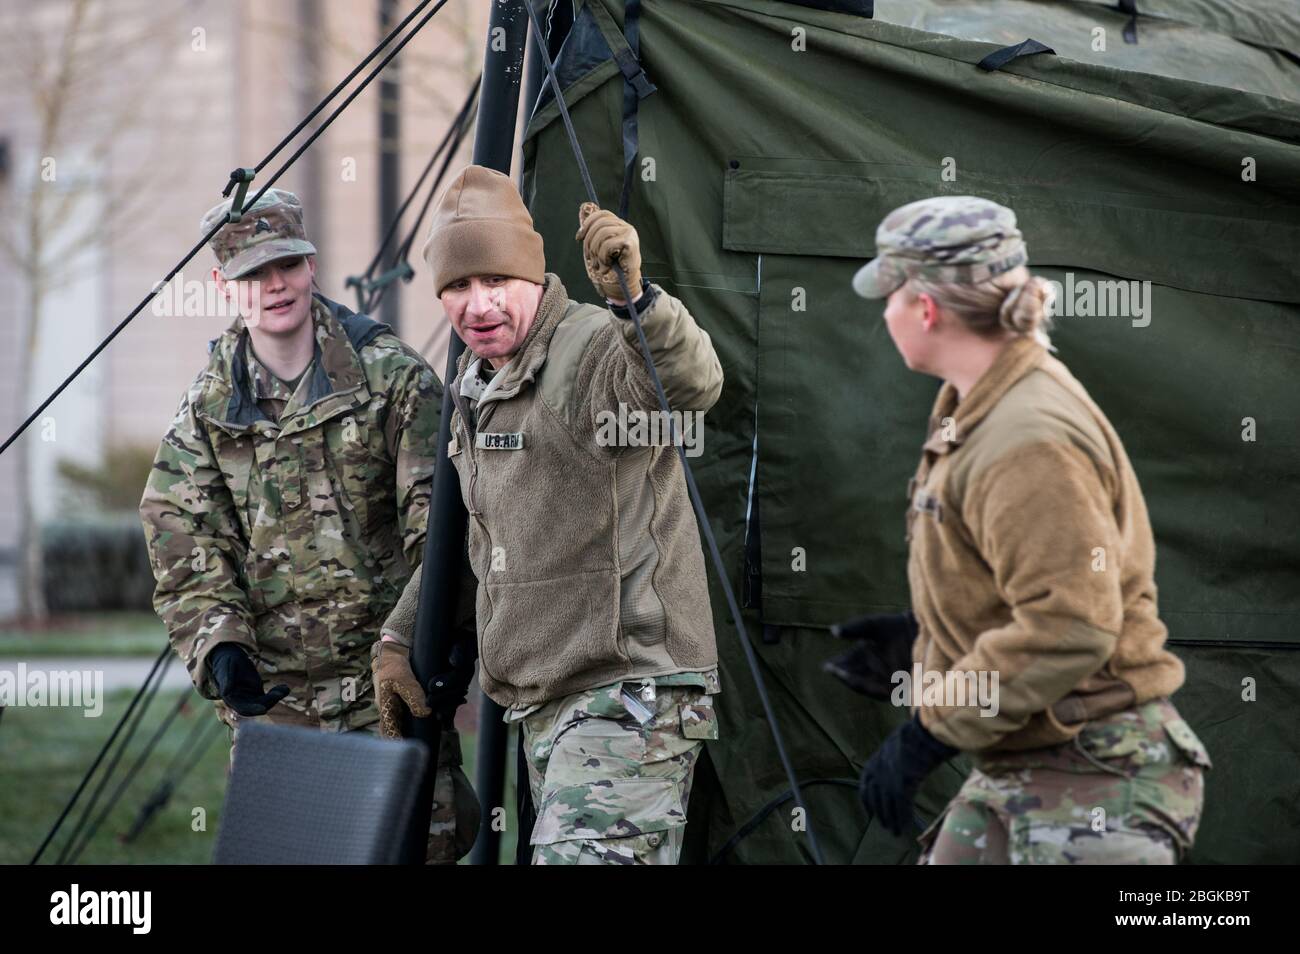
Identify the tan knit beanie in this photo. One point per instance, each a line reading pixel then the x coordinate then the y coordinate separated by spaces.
pixel 481 227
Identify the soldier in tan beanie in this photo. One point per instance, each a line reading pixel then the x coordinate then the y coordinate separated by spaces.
pixel 594 624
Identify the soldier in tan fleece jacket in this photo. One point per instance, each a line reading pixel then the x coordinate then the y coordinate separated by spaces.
pixel 1031 567
pixel 594 626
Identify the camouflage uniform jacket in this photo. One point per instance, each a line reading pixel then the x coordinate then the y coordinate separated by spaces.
pixel 294 538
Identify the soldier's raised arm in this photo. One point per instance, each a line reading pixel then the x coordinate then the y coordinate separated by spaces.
pixel 683 353
pixel 195 549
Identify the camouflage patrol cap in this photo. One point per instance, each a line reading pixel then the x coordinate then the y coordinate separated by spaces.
pixel 271 229
pixel 949 238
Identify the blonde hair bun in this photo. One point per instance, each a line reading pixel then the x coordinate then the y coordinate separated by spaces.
pixel 1025 308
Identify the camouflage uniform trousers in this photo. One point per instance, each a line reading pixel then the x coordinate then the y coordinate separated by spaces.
pixel 442 848
pixel 611 777
pixel 1128 789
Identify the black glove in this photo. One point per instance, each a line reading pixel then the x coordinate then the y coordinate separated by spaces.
pixel 884 647
pixel 447 691
pixel 238 683
pixel 896 770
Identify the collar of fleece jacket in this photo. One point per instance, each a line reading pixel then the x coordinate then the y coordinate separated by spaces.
pixel 1019 357
pixel 531 355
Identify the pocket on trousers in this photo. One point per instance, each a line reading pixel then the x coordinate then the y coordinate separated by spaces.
pixel 611 808
pixel 928 837
pixel 1064 843
pixel 1186 741
pixel 699 720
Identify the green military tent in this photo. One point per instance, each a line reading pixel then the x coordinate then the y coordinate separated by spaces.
pixel 1152 141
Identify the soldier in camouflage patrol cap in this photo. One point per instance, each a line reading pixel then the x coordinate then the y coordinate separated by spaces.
pixel 272 229
pixel 951 238
pixel 283 515
pixel 1031 570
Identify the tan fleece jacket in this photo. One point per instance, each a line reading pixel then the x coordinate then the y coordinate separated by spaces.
pixel 587 553
pixel 1031 555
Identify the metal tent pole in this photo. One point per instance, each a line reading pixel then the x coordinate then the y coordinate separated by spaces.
pixel 390 158
pixel 445 541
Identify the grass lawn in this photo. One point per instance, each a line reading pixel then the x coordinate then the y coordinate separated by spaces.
pixel 45 751
pixel 88 634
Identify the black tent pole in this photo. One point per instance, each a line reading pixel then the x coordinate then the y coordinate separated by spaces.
pixel 493 739
pixel 444 545
pixel 390 157
pixel 490 756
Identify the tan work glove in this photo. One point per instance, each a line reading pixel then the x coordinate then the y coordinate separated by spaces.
pixel 605 239
pixel 396 688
